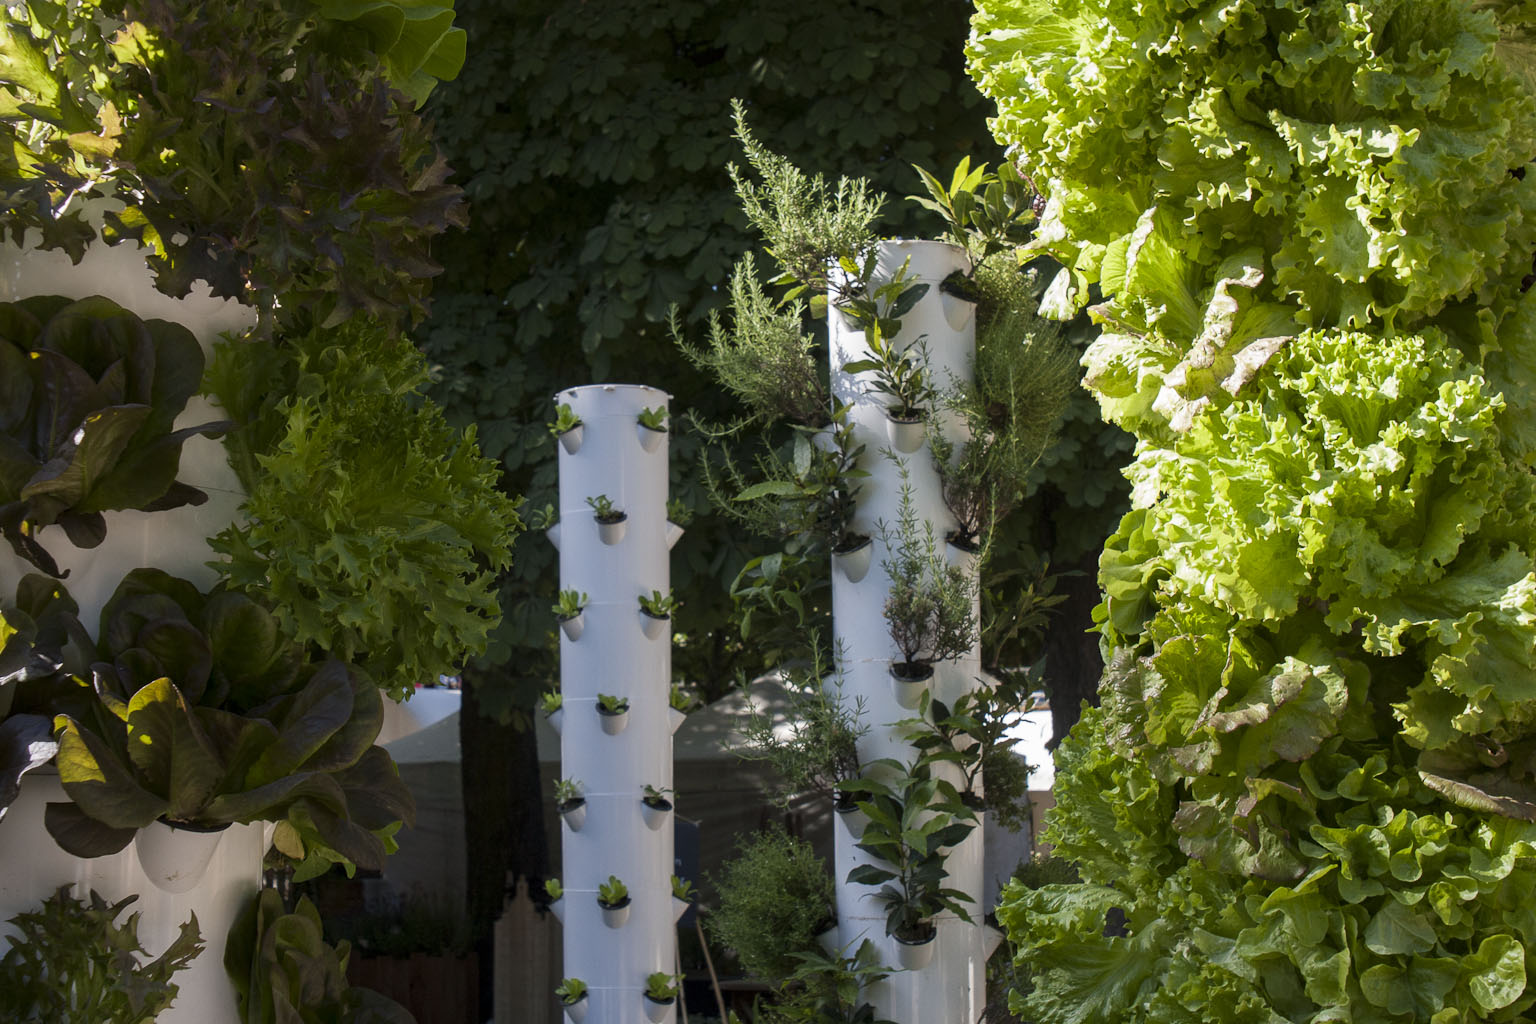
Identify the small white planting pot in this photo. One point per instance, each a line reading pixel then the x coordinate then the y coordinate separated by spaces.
pixel 676 718
pixel 907 687
pixel 914 956
pixel 614 917
pixel 573 626
pixel 656 1010
pixel 906 436
pixel 853 819
pixel 613 722
pixel 612 532
pixel 654 626
pixel 571 440
pixel 574 813
pixel 854 562
pixel 827 940
pixel 679 908
pixel 557 907
pixel 556 717
pixel 175 857
pixel 650 439
pixel 655 815
pixel 576 1012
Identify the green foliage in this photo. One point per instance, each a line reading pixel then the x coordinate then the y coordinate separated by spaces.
pixel 775 898
pixel 72 963
pixel 612 893
pixel 284 971
pixel 913 819
pixel 1310 789
pixel 828 988
pixel 33 636
pixel 370 521
pixel 571 991
pixel 89 395
pixel 284 166
pixel 928 609
pixel 306 758
pixel 985 212
pixel 661 986
pixel 588 228
pixel 820 750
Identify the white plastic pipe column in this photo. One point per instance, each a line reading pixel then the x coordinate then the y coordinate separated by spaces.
pixel 614 656
pixel 952 987
pixel 173 541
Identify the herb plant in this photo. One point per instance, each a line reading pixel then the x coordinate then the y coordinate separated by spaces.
pixel 820 750
pixel 71 962
pixel 682 889
pixel 775 897
pixel 608 704
pixel 553 889
pixel 658 798
pixel 571 991
pixel 603 509
pixel 928 609
pixel 653 419
pixel 913 817
pixel 551 701
pixel 568 792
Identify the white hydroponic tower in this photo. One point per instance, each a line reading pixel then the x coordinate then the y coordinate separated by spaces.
pixel 174 540
pixel 952 986
pixel 621 654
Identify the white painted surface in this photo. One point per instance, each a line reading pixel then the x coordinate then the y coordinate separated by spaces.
pixel 614 656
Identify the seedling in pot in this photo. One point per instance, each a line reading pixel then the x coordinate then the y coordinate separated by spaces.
pixel 553 889
pixel 566 420
pixel 603 510
pixel 658 605
pixel 613 713
pixel 613 893
pixel 661 987
pixel 572 990
pixel 679 700
pixel 657 798
pixel 682 889
pixel 571 804
pixel 653 419
pixel 551 701
pixel 569 605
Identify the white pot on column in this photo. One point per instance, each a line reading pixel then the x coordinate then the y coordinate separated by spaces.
pixel 175 857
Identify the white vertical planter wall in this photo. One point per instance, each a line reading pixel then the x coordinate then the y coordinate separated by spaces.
pixel 174 541
pixel 952 987
pixel 614 656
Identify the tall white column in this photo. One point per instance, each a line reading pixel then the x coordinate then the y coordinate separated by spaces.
pixel 174 540
pixel 615 656
pixel 952 987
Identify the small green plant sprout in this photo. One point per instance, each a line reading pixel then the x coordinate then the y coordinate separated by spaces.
pixel 679 699
pixel 550 701
pixel 572 991
pixel 901 375
pixel 541 519
pixel 984 213
pixel 566 420
pixel 653 419
pixel 661 987
pixel 567 792
pixel 553 889
pixel 608 704
pixel 658 798
pixel 613 893
pixel 603 510
pixel 569 605
pixel 682 889
pixel 658 605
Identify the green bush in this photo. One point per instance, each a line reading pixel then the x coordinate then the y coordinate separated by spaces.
pixel 71 963
pixel 775 898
